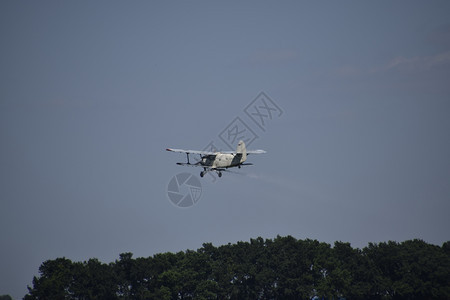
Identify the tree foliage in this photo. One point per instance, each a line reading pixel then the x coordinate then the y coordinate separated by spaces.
pixel 282 268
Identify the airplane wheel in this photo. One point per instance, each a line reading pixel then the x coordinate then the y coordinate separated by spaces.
pixel 202 174
pixel 220 174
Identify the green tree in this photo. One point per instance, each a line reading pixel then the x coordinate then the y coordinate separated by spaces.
pixel 93 280
pixel 283 268
pixel 54 282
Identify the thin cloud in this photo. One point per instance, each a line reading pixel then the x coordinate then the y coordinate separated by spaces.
pixel 275 56
pixel 411 64
pixel 347 70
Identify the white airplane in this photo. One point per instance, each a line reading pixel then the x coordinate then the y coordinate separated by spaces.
pixel 218 161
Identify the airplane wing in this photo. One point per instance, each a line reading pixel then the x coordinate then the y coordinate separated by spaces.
pixel 191 151
pixel 256 151
pixel 212 153
pixel 209 167
pixel 189 164
pixel 201 166
pixel 248 152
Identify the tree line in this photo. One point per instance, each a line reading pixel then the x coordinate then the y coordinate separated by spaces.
pixel 280 268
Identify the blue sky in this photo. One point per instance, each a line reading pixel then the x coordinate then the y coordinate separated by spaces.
pixel 93 92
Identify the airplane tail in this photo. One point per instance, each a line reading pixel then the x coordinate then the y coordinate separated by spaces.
pixel 242 150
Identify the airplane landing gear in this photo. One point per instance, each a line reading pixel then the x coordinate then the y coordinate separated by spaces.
pixel 203 173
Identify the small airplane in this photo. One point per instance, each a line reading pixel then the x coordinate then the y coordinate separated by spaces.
pixel 218 161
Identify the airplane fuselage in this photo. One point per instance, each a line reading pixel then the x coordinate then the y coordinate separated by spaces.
pixel 222 160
